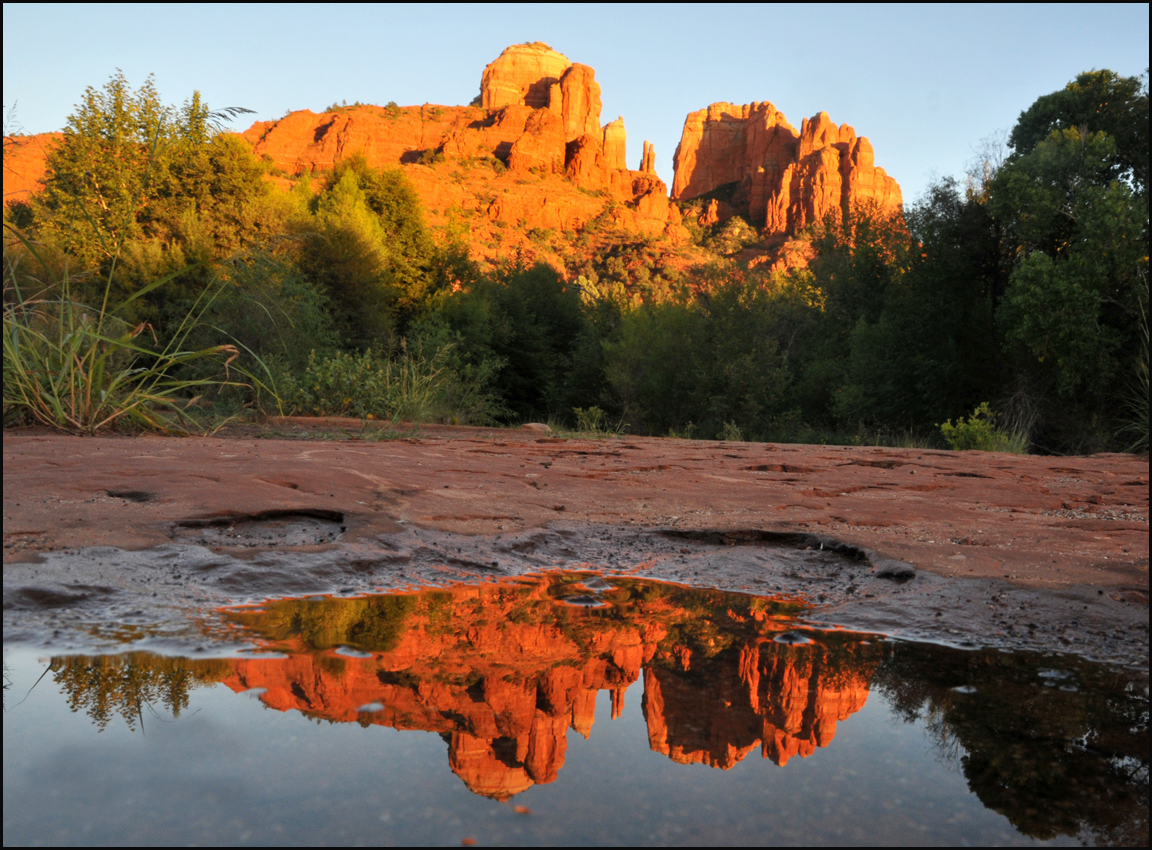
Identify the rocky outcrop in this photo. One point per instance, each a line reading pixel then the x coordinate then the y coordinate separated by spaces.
pixel 580 102
pixel 539 117
pixel 648 159
pixel 781 180
pixel 25 160
pixel 615 143
pixel 530 154
pixel 523 74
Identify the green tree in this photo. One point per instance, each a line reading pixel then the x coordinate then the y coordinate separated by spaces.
pixel 530 322
pixel 1078 234
pixel 137 190
pixel 105 170
pixel 389 195
pixel 931 353
pixel 858 258
pixel 709 357
pixel 1099 102
pixel 345 252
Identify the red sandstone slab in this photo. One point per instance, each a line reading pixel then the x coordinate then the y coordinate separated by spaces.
pixel 1040 521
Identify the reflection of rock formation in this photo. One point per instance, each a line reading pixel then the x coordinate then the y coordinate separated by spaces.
pixel 777 697
pixel 1057 745
pixel 502 671
pixel 504 735
pixel 504 689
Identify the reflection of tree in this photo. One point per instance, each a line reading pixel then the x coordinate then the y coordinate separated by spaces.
pixel 374 624
pixel 106 685
pixel 1065 753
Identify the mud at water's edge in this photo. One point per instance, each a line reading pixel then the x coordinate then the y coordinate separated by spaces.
pixel 163 598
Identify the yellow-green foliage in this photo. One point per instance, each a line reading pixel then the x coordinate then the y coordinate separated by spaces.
pixel 74 367
pixel 980 433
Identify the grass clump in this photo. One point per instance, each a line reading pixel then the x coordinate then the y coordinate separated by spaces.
pixel 80 368
pixel 980 433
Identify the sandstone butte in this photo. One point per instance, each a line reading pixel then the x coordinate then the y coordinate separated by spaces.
pixel 503 690
pixel 531 156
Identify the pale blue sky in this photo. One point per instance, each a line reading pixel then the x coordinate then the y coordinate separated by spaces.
pixel 925 83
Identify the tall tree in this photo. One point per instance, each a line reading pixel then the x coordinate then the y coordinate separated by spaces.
pixel 1071 200
pixel 105 169
pixel 1100 102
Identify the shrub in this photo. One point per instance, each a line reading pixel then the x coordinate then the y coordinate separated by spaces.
pixel 409 386
pixel 980 433
pixel 589 419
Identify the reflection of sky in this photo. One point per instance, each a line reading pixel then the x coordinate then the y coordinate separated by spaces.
pixel 230 770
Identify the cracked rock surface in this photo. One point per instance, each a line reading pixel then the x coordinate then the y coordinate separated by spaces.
pixel 115 538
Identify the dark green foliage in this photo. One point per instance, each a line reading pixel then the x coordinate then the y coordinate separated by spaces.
pixel 270 311
pixel 532 323
pixel 1099 102
pixel 711 360
pixel 1071 202
pixel 930 353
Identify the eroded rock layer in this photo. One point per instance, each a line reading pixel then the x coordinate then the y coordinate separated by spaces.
pixel 538 118
pixel 781 179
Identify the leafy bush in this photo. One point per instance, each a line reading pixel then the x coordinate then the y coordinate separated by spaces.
pixel 710 357
pixel 980 433
pixel 589 419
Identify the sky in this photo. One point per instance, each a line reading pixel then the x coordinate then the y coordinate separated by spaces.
pixel 926 83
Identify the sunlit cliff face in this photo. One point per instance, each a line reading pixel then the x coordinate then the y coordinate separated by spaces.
pixel 501 671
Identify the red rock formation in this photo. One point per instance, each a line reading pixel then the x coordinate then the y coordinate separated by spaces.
pixel 25 159
pixel 615 140
pixel 780 179
pixel 580 107
pixel 539 115
pixel 523 75
pixel 648 159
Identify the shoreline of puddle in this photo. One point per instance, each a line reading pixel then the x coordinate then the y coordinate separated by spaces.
pixel 163 599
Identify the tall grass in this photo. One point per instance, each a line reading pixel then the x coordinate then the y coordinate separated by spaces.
pixel 1135 430
pixel 74 367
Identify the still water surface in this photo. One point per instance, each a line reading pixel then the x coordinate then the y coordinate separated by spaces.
pixel 566 708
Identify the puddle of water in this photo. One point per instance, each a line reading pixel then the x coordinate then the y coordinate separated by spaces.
pixel 570 708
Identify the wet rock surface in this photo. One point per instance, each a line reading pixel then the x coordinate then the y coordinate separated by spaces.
pixel 998 560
